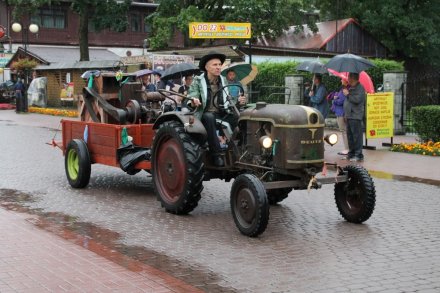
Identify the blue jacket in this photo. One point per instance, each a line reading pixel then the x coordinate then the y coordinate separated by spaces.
pixel 318 100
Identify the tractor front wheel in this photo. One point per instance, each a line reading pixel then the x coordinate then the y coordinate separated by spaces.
pixel 356 197
pixel 249 205
pixel 77 163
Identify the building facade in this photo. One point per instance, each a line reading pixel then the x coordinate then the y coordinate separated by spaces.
pixel 58 25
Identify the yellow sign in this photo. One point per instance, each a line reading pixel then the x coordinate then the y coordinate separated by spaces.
pixel 380 115
pixel 219 30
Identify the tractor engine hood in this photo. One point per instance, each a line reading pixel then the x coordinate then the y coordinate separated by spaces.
pixel 284 115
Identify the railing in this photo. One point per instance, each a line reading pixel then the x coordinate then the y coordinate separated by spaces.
pixel 270 94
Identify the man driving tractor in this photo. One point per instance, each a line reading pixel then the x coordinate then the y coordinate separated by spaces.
pixel 205 95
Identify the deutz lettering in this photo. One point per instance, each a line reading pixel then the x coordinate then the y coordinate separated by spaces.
pixel 311 141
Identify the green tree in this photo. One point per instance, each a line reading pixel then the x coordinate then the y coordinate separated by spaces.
pixel 268 17
pixel 111 14
pixel 408 28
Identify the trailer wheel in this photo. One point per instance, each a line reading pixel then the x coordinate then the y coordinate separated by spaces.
pixel 249 205
pixel 356 198
pixel 177 168
pixel 77 163
pixel 277 195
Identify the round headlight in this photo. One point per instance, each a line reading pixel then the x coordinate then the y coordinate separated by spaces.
pixel 266 141
pixel 331 139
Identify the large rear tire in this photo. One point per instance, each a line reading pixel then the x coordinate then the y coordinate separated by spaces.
pixel 249 205
pixel 177 168
pixel 356 197
pixel 277 195
pixel 77 163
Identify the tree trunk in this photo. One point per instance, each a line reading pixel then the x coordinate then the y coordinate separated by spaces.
pixel 84 34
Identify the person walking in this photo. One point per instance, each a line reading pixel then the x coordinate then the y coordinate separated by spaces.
pixel 19 96
pixel 205 95
pixel 338 109
pixel 354 110
pixel 318 96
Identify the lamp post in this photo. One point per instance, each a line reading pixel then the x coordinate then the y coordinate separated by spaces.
pixel 249 43
pixel 17 27
pixel 145 45
pixel 33 28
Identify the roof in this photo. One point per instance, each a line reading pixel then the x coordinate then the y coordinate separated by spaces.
pixel 307 39
pixel 96 64
pixel 69 54
pixel 198 52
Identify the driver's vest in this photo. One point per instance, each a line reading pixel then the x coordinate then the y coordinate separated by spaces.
pixel 199 89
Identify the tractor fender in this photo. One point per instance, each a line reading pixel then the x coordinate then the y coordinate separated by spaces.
pixel 194 128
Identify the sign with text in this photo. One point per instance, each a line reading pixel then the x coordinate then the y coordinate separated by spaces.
pixel 380 115
pixel 131 60
pixel 219 30
pixel 162 62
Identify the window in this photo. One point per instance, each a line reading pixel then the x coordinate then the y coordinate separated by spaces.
pixel 147 26
pixel 135 22
pixel 50 18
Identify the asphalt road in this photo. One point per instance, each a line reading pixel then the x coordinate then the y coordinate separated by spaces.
pixel 307 246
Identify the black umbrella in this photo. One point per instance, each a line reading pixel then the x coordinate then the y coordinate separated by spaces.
pixel 179 70
pixel 349 63
pixel 312 66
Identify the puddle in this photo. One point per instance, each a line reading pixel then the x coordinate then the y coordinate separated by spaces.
pixel 389 176
pixel 106 243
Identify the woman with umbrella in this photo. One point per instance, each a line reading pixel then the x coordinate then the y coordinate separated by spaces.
pixel 144 76
pixel 354 105
pixel 338 108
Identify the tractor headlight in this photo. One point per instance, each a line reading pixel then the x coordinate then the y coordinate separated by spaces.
pixel 331 139
pixel 266 141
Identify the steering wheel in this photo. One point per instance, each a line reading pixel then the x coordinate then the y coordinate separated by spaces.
pixel 118 65
pixel 231 103
pixel 168 94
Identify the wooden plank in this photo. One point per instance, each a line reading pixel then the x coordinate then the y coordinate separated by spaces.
pixel 143 165
pixel 108 141
pixel 102 129
pixel 97 149
pixel 105 160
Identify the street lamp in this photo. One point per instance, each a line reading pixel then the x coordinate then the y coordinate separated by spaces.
pixel 17 27
pixel 145 45
pixel 33 28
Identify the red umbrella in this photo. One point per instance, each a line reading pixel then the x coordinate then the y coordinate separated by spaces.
pixel 364 79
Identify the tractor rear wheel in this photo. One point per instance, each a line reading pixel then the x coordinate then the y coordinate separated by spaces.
pixel 356 197
pixel 277 195
pixel 249 205
pixel 177 168
pixel 77 163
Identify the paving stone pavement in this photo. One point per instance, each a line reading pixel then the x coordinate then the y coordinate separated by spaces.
pixel 307 246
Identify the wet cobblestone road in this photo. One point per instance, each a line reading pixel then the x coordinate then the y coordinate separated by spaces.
pixel 307 246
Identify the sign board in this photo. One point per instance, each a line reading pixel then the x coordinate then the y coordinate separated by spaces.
pixel 162 62
pixel 142 59
pixel 2 32
pixel 219 30
pixel 4 59
pixel 380 115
